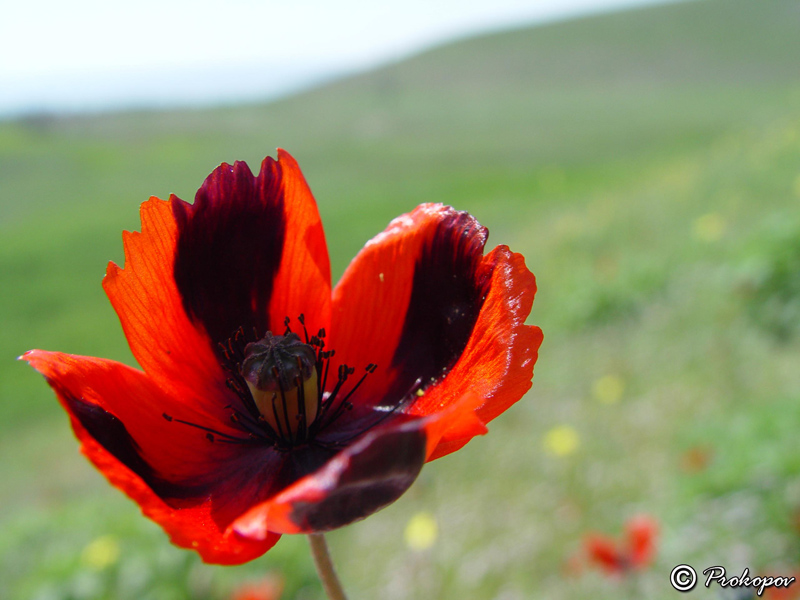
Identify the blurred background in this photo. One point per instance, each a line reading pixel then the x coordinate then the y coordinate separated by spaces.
pixel 645 158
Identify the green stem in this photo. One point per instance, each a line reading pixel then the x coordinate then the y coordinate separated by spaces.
pixel 325 570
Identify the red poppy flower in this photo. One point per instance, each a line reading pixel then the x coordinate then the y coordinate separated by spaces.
pixel 269 587
pixel 635 551
pixel 269 403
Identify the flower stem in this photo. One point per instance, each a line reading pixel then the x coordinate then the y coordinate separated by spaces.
pixel 325 570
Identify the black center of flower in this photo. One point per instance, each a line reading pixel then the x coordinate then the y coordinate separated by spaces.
pixel 280 381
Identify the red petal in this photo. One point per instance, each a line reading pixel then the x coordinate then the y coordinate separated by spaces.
pixel 303 282
pixel 269 587
pixel 131 445
pixel 363 478
pixel 251 251
pixel 641 533
pixel 422 302
pixel 497 363
pixel 457 420
pixel 604 553
pixel 163 340
pixel 408 302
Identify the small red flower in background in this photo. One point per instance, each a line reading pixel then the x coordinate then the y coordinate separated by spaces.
pixel 269 587
pixel 792 592
pixel 634 551
pixel 270 403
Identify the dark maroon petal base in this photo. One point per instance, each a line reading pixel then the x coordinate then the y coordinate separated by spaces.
pixel 229 249
pixel 376 476
pixel 109 432
pixel 363 478
pixel 446 298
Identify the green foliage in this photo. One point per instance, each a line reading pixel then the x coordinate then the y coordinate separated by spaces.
pixel 103 550
pixel 772 286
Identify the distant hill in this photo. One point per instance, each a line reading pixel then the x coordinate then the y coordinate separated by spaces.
pixel 706 41
pixel 621 83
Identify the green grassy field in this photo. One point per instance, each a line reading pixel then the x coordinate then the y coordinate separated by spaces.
pixel 646 163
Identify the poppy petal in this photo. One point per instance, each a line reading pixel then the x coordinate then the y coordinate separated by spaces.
pixel 251 251
pixel 303 282
pixel 439 318
pixel 109 405
pixel 457 420
pixel 161 337
pixel 497 362
pixel 409 300
pixel 363 478
pixel 641 532
pixel 603 551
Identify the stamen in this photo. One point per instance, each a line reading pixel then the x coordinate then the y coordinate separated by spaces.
pixel 276 374
pixel 300 417
pixel 369 370
pixel 207 429
pixel 328 356
pixel 259 428
pixel 302 319
pixel 301 403
pixel 277 421
pixel 232 349
pixel 343 442
pixel 244 396
pixel 344 404
pixel 343 373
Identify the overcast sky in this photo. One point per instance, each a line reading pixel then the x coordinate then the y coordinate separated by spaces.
pixel 84 54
